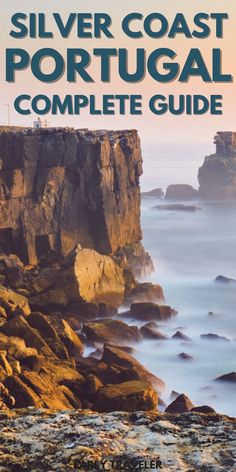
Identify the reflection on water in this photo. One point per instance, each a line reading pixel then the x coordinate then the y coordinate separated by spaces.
pixel 189 250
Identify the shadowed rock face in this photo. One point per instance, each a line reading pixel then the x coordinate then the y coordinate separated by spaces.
pixel 217 176
pixel 60 188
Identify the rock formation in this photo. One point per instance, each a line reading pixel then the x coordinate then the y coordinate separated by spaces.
pixel 217 176
pixel 72 197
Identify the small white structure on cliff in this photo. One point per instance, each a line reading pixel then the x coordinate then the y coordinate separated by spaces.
pixel 41 123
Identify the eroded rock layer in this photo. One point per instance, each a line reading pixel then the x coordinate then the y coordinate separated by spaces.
pixel 60 187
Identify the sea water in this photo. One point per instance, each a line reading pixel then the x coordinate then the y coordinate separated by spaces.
pixel 189 250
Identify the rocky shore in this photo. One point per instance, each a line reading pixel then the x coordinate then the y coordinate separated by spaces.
pixel 70 255
pixel 47 441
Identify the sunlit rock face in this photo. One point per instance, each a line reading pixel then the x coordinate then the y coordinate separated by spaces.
pixel 64 190
pixel 60 187
pixel 217 176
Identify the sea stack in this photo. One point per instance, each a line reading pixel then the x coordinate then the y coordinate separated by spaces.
pixel 217 176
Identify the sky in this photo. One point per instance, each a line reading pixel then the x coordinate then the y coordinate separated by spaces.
pixel 166 128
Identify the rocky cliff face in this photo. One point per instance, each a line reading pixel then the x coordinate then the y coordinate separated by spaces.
pixel 61 187
pixel 63 191
pixel 217 176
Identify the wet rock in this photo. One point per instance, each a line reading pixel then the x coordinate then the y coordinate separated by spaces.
pixel 127 396
pixel 181 192
pixel 205 409
pixel 13 303
pixel 6 400
pixel 185 356
pixel 181 336
pixel 92 385
pixel 214 337
pixel 181 404
pixel 128 349
pixel 111 331
pixel 146 292
pixel 4 363
pixel 129 368
pixel 177 207
pixel 156 192
pixel 19 327
pixel 221 279
pixel 151 311
pixel 231 377
pixel 151 333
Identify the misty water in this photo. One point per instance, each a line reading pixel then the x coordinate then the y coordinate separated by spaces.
pixel 189 250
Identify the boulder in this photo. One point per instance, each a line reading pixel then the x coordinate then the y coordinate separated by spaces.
pixel 18 326
pixel 156 193
pixel 13 303
pixel 214 337
pixel 16 347
pixel 205 409
pixel 181 336
pixel 100 278
pixel 131 367
pixel 221 279
pixel 61 371
pixel 181 192
pixel 146 292
pixel 177 207
pixel 231 377
pixel 128 396
pixel 4 363
pixel 151 311
pixel 152 333
pixel 92 385
pixel 181 404
pixel 58 334
pixel 111 331
pixel 6 400
pixel 186 357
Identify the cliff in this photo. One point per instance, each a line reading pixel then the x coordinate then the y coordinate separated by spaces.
pixel 64 190
pixel 217 176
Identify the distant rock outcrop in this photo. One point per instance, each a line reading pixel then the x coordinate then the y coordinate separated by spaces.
pixel 181 192
pixel 217 176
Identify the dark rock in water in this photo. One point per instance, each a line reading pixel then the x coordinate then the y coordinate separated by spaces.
pixel 181 192
pixel 181 336
pixel 185 356
pixel 211 313
pixel 111 331
pixel 177 207
pixel 150 333
pixel 181 404
pixel 156 192
pixel 134 395
pixel 203 409
pixel 146 292
pixel 148 311
pixel 217 176
pixel 227 378
pixel 221 279
pixel 214 337
pixel 128 349
pixel 151 324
